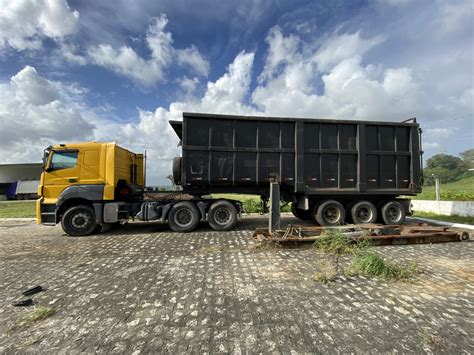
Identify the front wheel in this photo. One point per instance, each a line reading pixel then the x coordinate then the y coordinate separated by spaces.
pixel 222 216
pixel 79 220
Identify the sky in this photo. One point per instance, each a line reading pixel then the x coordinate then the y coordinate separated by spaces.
pixel 118 70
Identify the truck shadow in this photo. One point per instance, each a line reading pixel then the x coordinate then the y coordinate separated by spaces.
pixel 248 223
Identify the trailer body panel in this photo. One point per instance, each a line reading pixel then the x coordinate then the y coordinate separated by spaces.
pixel 222 153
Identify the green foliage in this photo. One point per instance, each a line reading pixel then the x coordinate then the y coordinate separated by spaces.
pixel 365 261
pixel 17 209
pixel 462 190
pixel 446 167
pixel 334 242
pixel 251 203
pixel 440 217
pixel 468 157
pixel 372 264
pixel 39 313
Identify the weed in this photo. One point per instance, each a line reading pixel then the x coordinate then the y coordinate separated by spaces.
pixel 31 340
pixel 328 272
pixel 209 250
pixel 39 313
pixel 372 264
pixel 430 341
pixel 365 260
pixel 333 242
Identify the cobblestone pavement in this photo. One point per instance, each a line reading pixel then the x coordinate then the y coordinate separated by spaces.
pixel 146 289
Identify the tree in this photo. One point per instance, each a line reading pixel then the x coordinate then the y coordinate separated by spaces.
pixel 446 167
pixel 468 157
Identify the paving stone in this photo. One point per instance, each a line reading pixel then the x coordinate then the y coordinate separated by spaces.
pixel 144 289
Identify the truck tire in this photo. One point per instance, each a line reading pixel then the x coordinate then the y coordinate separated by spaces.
pixel 330 213
pixel 222 215
pixel 79 221
pixel 177 170
pixel 183 217
pixel 304 215
pixel 363 212
pixel 393 212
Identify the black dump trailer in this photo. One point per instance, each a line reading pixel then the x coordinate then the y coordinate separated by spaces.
pixel 332 171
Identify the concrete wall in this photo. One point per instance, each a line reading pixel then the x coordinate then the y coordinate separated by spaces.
pixel 461 208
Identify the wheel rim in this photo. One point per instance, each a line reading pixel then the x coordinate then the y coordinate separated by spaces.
pixel 393 214
pixel 81 221
pixel 183 217
pixel 332 214
pixel 364 214
pixel 222 216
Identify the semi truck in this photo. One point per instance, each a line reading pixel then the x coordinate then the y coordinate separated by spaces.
pixel 331 171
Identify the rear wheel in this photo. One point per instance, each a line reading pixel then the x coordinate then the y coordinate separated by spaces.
pixel 330 213
pixel 305 215
pixel 393 212
pixel 183 217
pixel 363 212
pixel 79 221
pixel 222 216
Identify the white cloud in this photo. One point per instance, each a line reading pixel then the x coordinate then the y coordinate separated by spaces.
pixel 70 52
pixel 191 57
pixel 36 112
pixel 349 89
pixel 127 62
pixel 25 23
pixel 225 95
pixel 340 47
pixel 281 51
pixel 188 84
pixel 455 16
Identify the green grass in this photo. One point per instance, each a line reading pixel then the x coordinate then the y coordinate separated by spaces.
pixel 365 261
pixel 251 203
pixel 334 242
pixel 462 190
pixel 444 218
pixel 17 209
pixel 37 314
pixel 370 263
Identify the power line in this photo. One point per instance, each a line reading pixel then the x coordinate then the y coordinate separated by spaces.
pixel 448 120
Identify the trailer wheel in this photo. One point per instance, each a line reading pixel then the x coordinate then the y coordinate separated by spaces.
pixel 330 213
pixel 183 217
pixel 304 215
pixel 222 215
pixel 363 212
pixel 393 213
pixel 79 221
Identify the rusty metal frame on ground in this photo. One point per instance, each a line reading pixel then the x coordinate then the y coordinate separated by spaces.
pixel 377 233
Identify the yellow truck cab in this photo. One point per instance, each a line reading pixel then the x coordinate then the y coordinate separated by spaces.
pixel 88 187
pixel 79 179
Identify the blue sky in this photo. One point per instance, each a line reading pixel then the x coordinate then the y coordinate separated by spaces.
pixel 119 70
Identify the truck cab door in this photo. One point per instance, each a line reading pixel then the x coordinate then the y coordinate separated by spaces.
pixel 63 171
